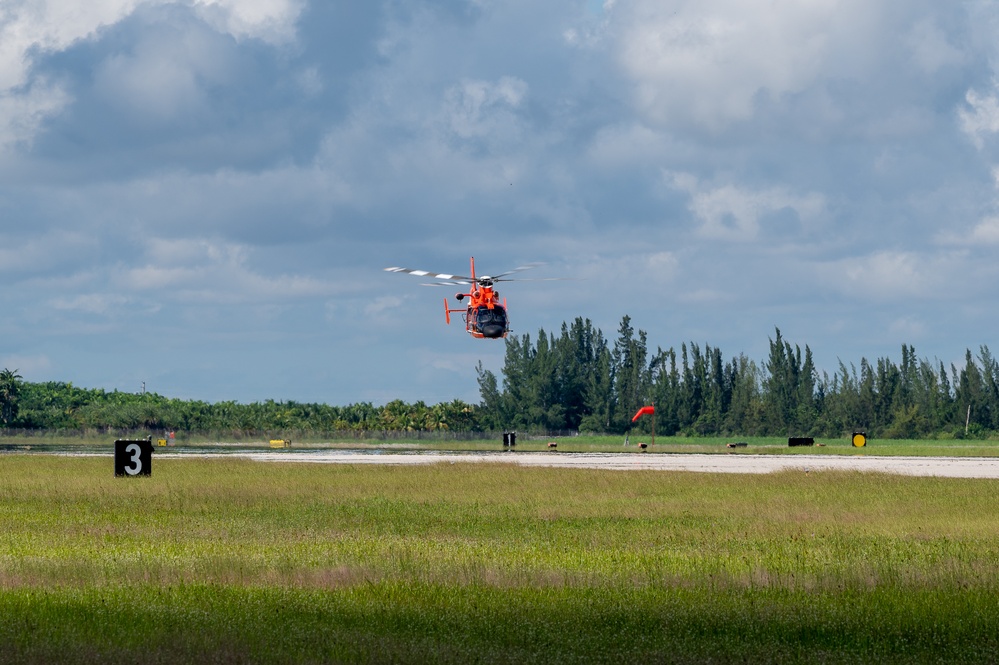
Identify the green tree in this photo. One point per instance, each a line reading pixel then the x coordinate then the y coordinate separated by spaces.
pixel 492 399
pixel 599 389
pixel 666 391
pixel 10 391
pixel 745 412
pixel 781 386
pixel 632 385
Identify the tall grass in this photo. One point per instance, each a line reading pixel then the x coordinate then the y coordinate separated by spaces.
pixel 459 563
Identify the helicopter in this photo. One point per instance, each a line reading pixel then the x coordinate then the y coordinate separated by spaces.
pixel 485 316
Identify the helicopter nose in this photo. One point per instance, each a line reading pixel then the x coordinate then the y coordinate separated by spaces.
pixel 492 331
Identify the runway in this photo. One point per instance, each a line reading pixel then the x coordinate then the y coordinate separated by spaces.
pixel 944 467
pixel 950 467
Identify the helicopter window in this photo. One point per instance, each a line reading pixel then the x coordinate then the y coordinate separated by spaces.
pixel 495 316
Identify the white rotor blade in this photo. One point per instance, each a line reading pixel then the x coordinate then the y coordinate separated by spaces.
pixel 424 273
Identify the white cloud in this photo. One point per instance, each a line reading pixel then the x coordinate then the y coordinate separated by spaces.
pixel 26 365
pixel 907 276
pixel 91 303
pixel 986 232
pixel 384 307
pixel 705 61
pixel 660 266
pixel 622 145
pixel 28 27
pixel 733 213
pixel 166 74
pixel 212 271
pixel 702 156
pixel 484 109
pixel 907 328
pixel 22 112
pixel 44 252
pixel 704 296
pixel 49 25
pixel 980 117
pixel 272 21
pixel 930 47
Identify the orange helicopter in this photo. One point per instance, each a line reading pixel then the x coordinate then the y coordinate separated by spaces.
pixel 485 317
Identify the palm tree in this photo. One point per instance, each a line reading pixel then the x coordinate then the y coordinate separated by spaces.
pixel 10 388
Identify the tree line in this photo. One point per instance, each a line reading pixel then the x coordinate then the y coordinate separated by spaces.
pixel 58 406
pixel 580 381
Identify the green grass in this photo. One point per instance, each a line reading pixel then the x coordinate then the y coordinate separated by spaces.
pixel 228 560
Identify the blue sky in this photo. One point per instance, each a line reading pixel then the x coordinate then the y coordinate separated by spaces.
pixel 202 195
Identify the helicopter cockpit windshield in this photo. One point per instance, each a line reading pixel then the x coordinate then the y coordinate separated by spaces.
pixel 491 323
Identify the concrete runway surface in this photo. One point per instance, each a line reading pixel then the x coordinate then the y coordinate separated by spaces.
pixel 951 467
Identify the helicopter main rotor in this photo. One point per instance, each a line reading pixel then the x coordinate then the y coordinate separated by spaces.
pixel 484 281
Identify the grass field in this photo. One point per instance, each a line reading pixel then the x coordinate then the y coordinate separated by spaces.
pixel 228 560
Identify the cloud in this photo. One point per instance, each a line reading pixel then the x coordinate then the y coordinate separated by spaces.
pixel 983 233
pixel 158 80
pixel 168 73
pixel 283 205
pixel 385 305
pixel 92 303
pixel 22 112
pixel 28 27
pixel 271 21
pixel 716 66
pixel 979 118
pixel 704 63
pixel 27 366
pixel 734 213
pixel 478 109
pixel 213 271
pixel 931 48
pixel 618 146
pixel 986 232
pixel 907 328
pixel 902 276
pixel 27 255
pixel 218 184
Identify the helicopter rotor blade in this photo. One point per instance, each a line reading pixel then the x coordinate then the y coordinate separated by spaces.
pixel 481 280
pixel 445 284
pixel 539 279
pixel 434 275
pixel 496 278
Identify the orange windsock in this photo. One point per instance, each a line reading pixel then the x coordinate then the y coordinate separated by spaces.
pixel 642 411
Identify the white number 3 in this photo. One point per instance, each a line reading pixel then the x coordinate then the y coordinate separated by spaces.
pixel 135 451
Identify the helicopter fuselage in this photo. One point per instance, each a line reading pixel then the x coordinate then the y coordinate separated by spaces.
pixel 485 317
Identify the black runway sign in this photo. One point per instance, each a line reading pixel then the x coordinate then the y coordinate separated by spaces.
pixel 133 457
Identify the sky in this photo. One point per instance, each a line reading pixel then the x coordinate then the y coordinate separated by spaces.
pixel 200 196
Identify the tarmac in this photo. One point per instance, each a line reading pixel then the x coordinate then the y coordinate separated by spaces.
pixel 945 467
